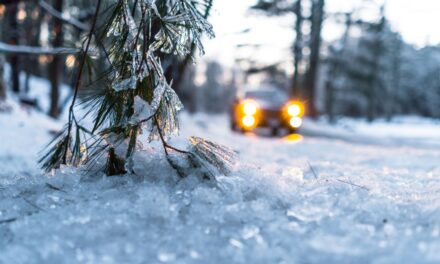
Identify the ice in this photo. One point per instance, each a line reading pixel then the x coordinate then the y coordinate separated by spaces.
pixel 125 84
pixel 216 159
pixel 132 28
pixel 141 110
pixel 315 200
pixel 152 5
pixel 183 15
pixel 166 104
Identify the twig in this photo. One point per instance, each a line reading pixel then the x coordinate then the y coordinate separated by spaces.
pixel 8 220
pixel 166 146
pixel 313 170
pixel 32 204
pixel 54 187
pixel 78 80
pixel 353 184
pixel 147 119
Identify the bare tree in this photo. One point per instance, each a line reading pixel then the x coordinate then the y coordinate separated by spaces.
pixel 395 78
pixel 297 48
pixel 12 33
pixel 56 64
pixel 282 7
pixel 377 47
pixel 317 19
pixel 2 82
pixel 336 63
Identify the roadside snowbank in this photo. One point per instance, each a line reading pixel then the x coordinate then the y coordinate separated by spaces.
pixel 409 130
pixel 23 133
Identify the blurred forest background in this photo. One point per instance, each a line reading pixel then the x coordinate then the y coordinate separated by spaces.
pixel 369 71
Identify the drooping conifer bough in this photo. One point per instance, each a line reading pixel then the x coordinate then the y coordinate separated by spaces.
pixel 127 93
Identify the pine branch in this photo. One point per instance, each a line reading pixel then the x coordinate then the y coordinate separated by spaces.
pixel 134 95
pixel 78 80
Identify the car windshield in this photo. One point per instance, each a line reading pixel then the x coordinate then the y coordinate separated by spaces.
pixel 273 96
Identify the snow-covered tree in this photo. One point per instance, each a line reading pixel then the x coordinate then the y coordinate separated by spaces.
pixel 363 70
pixel 133 96
pixel 377 74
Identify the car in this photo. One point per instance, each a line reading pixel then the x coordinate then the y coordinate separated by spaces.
pixel 266 108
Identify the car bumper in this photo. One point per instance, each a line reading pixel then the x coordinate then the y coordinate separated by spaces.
pixel 273 119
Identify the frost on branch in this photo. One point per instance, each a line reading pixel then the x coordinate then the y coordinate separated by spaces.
pixel 172 38
pixel 132 95
pixel 167 105
pixel 213 158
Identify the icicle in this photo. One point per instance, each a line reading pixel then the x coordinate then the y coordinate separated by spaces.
pixel 132 27
pixel 151 4
pixel 167 105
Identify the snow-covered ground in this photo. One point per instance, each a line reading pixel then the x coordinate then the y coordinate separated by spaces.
pixel 402 130
pixel 295 199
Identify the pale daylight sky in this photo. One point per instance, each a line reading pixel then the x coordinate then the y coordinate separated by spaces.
pixel 417 20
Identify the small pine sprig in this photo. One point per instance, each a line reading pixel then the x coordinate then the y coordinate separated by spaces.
pixel 132 95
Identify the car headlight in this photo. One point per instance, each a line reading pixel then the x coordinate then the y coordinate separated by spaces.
pixel 248 121
pixel 295 122
pixel 295 109
pixel 250 108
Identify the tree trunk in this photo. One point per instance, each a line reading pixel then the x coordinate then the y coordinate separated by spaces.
pixel 13 40
pixel 335 71
pixel 2 83
pixel 297 50
pixel 56 64
pixel 32 30
pixel 315 45
pixel 375 80
pixel 396 69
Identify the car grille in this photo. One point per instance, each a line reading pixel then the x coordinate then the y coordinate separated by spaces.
pixel 271 114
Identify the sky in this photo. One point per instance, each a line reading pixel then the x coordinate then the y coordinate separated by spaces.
pixel 417 20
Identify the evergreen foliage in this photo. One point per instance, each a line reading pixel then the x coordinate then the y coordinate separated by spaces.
pixel 132 96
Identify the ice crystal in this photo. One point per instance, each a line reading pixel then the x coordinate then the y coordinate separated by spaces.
pixel 216 159
pixel 151 4
pixel 132 28
pixel 166 104
pixel 183 26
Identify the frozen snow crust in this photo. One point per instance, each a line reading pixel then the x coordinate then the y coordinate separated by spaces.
pixel 290 200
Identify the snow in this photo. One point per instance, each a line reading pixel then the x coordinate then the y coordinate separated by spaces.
pixel 294 199
pixel 39 89
pixel 406 130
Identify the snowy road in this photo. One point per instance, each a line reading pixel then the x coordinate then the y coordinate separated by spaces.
pixel 290 200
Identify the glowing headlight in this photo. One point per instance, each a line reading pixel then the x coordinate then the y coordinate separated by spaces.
pixel 295 122
pixel 250 108
pixel 294 110
pixel 248 121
